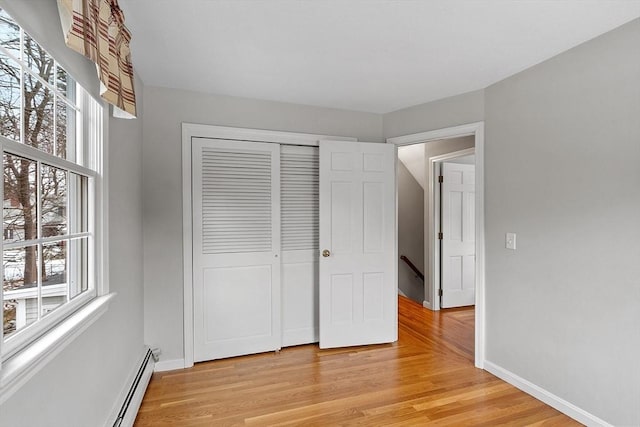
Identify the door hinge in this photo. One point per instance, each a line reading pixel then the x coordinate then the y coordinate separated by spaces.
pixel 440 236
pixel 440 178
pixel 439 292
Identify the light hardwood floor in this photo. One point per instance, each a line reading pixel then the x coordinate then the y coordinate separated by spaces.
pixel 426 378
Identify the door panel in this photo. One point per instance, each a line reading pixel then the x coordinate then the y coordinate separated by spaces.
pixel 373 296
pixel 373 217
pixel 299 200
pixel 236 243
pixel 341 231
pixel 458 239
pixel 341 299
pixel 225 296
pixel 358 283
pixel 299 297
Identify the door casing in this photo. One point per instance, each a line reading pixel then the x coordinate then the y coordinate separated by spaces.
pixel 477 130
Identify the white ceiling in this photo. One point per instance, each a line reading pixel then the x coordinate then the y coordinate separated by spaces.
pixel 366 55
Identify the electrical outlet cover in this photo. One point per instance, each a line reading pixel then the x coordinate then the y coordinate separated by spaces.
pixel 510 241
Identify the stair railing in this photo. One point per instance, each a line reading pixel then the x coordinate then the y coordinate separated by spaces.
pixel 412 266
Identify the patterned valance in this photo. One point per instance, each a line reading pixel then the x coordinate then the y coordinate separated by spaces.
pixel 95 28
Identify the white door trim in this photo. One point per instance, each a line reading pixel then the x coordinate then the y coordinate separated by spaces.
pixel 189 131
pixel 477 130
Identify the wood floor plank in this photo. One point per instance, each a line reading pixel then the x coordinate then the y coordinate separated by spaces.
pixel 426 378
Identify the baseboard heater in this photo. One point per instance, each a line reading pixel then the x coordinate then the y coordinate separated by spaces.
pixel 129 409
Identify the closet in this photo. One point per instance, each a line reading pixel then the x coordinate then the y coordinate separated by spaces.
pixel 291 244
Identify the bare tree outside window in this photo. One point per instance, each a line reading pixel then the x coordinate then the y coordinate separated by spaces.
pixel 37 108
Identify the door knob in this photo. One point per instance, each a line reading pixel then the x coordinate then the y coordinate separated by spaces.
pixel 326 253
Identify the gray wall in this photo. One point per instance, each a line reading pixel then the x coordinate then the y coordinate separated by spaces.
pixel 410 233
pixel 447 112
pixel 79 387
pixel 165 110
pixel 562 149
pixel 563 172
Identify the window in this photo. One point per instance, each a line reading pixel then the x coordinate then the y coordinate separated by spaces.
pixel 50 135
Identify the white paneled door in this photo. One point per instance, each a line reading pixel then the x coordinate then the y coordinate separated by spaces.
pixel 358 281
pixel 236 244
pixel 458 235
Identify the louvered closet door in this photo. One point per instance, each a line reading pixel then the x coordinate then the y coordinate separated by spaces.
pixel 299 214
pixel 236 243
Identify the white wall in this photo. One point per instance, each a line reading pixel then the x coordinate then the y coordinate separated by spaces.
pixel 562 162
pixel 80 386
pixel 165 110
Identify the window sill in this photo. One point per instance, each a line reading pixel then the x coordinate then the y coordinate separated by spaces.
pixel 21 367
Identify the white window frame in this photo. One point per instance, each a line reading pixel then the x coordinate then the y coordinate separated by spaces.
pixel 15 343
pixel 24 354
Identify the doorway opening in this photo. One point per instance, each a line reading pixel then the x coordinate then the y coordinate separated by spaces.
pixel 460 277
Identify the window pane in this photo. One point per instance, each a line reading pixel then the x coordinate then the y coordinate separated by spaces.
pixel 9 34
pixel 65 130
pixel 54 201
pixel 78 262
pixel 54 276
pixel 78 207
pixel 20 288
pixel 65 84
pixel 38 112
pixel 9 98
pixel 19 204
pixel 43 266
pixel 39 61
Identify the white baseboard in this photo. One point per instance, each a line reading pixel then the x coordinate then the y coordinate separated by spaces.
pixel 169 365
pixel 136 400
pixel 545 396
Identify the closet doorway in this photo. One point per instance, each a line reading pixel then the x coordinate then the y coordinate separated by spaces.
pixel 288 239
